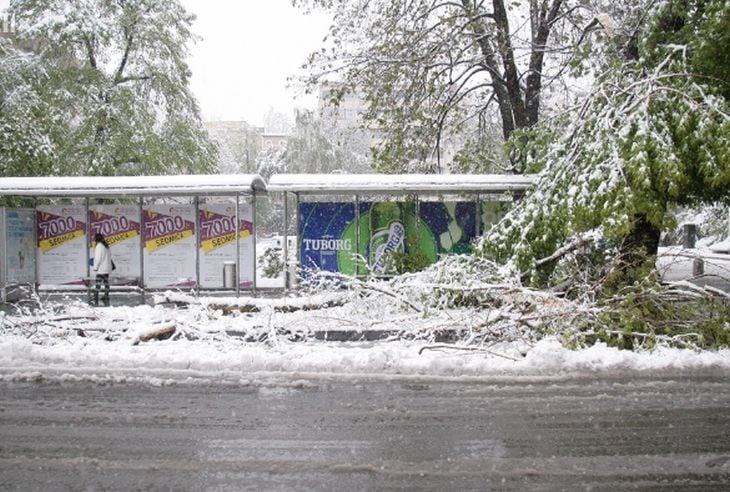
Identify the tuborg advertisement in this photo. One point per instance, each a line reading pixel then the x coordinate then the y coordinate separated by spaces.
pixel 333 240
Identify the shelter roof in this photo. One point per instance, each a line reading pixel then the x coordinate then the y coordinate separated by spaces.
pixel 398 183
pixel 110 186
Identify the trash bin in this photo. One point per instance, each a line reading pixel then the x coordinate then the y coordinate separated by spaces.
pixel 229 274
pixel 689 235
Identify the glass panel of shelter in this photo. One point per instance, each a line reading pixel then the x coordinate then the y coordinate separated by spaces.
pixel 154 240
pixel 353 234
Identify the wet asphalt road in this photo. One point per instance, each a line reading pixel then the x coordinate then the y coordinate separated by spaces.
pixel 652 433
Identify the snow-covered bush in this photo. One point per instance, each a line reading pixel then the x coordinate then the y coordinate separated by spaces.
pixel 271 262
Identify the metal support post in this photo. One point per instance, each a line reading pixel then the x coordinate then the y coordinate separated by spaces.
pixel 478 221
pixel 296 232
pixel 238 246
pixel 87 248
pixel 358 256
pixel 141 247
pixel 196 205
pixel 254 234
pixel 285 246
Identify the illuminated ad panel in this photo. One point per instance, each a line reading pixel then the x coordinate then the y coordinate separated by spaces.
pixel 329 237
pixel 61 244
pixel 120 226
pixel 217 243
pixel 168 232
pixel 18 246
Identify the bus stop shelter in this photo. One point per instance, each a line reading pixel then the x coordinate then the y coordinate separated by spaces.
pixel 203 214
pixel 353 225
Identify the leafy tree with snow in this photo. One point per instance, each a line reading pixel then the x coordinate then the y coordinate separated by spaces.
pixel 704 27
pixel 651 134
pixel 318 146
pixel 24 127
pixel 238 146
pixel 433 70
pixel 116 86
pixel 277 122
pixel 315 146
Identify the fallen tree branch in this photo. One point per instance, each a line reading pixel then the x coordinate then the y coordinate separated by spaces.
pixel 73 318
pixel 706 289
pixel 467 349
pixel 369 286
pixel 160 332
pixel 285 308
pixel 559 253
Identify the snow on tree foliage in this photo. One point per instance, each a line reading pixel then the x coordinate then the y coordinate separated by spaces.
pixel 446 74
pixel 652 135
pixel 116 85
pixel 639 143
pixel 319 145
pixel 23 136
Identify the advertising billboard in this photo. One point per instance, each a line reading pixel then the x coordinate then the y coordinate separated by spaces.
pixel 120 225
pixel 332 239
pixel 61 244
pixel 168 233
pixel 217 243
pixel 17 247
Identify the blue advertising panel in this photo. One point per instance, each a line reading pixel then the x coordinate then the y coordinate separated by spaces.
pixel 331 239
pixel 322 235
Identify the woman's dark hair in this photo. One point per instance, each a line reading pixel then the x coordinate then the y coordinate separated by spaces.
pixel 99 238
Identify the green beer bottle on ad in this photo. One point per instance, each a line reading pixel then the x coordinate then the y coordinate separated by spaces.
pixel 387 234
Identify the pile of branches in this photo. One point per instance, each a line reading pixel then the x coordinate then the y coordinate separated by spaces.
pixel 582 304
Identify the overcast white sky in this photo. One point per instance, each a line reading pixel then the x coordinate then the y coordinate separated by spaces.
pixel 248 50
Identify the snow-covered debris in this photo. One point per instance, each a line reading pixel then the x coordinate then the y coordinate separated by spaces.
pixel 721 247
pixel 493 327
pixel 57 350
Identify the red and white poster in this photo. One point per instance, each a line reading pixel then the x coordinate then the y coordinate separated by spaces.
pixel 120 225
pixel 168 232
pixel 61 234
pixel 217 243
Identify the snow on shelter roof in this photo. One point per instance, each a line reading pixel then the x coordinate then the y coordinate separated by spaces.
pixel 398 183
pixel 108 186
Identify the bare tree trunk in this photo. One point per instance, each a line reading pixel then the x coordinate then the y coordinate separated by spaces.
pixel 519 105
pixel 511 75
pixel 542 18
pixel 484 40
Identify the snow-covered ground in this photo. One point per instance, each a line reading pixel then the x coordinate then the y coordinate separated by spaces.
pixel 71 340
pixel 232 339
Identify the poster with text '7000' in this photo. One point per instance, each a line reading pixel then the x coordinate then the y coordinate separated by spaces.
pixel 217 243
pixel 168 232
pixel 120 225
pixel 61 233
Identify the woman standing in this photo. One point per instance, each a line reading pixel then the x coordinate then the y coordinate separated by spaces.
pixel 103 266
